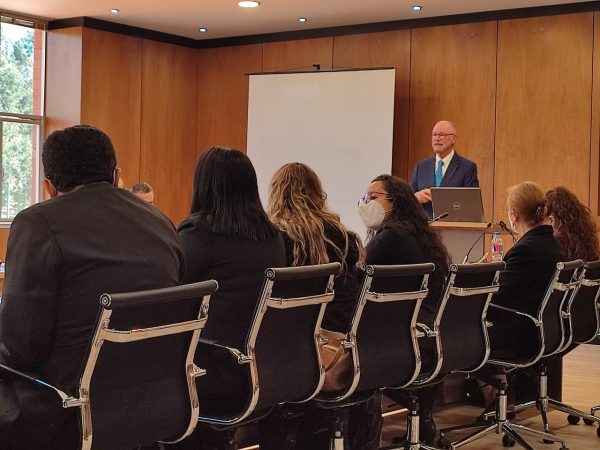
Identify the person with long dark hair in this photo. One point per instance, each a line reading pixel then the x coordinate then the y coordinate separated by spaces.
pixel 573 224
pixel 226 237
pixel 399 233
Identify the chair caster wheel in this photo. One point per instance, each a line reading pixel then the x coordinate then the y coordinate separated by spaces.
pixel 588 421
pixel 507 441
pixel 573 420
pixel 563 448
pixel 598 431
pixel 444 442
pixel 511 415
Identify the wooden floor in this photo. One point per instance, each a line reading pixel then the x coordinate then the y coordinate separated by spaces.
pixel 581 389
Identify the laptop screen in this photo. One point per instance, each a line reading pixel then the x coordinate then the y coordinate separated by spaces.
pixel 462 204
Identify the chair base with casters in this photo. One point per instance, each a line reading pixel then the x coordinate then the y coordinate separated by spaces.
pixel 543 403
pixel 499 424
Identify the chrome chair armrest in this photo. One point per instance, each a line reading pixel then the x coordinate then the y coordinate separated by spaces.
pixel 424 331
pixel 537 322
pixel 237 354
pixel 67 400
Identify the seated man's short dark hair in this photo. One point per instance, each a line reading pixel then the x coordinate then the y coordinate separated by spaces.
pixel 144 188
pixel 78 155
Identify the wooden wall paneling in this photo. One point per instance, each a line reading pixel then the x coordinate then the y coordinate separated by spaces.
pixel 543 117
pixel 63 78
pixel 295 55
pixel 111 94
pixel 389 49
pixel 453 77
pixel 595 132
pixel 223 95
pixel 168 131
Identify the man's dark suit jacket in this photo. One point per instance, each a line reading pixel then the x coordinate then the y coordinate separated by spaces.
pixel 461 172
pixel 62 255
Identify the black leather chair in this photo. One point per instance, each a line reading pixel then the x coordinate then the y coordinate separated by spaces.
pixel 382 338
pixel 580 319
pixel 457 338
pixel 138 385
pixel 540 336
pixel 280 361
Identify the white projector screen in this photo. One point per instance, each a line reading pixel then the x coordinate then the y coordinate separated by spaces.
pixel 340 123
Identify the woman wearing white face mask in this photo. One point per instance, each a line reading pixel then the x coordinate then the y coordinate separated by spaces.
pixel 400 234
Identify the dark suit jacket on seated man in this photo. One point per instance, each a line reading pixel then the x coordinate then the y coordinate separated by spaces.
pixel 63 253
pixel 456 171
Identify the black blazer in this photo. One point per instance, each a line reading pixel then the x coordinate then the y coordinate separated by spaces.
pixel 529 267
pixel 461 172
pixel 62 255
pixel 394 245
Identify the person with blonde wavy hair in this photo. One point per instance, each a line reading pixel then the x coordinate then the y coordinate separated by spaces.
pixel 313 234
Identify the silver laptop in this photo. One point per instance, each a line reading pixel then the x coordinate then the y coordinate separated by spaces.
pixel 462 204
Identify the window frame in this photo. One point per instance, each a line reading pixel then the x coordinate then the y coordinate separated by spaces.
pixel 28 119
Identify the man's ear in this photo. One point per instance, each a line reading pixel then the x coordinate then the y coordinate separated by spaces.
pixel 50 189
pixel 116 176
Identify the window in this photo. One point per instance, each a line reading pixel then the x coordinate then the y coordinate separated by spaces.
pixel 22 50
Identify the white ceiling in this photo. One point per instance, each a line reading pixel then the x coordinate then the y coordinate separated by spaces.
pixel 223 18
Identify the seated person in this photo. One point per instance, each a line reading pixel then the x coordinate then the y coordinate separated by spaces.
pixel 226 237
pixel 63 253
pixel 313 234
pixel 573 225
pixel 530 264
pixel 144 191
pixel 400 234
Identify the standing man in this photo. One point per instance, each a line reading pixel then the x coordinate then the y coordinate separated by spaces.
pixel 446 169
pixel 144 191
pixel 88 239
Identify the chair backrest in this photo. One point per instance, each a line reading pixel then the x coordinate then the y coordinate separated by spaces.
pixel 584 306
pixel 284 335
pixel 282 358
pixel 523 339
pixel 382 335
pixel 565 282
pixel 138 385
pixel 460 321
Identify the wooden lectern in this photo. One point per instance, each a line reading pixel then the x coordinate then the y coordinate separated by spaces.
pixel 458 237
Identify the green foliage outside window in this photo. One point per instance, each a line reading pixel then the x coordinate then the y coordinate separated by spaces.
pixel 19 140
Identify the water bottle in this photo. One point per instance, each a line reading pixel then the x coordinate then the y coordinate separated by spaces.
pixel 497 250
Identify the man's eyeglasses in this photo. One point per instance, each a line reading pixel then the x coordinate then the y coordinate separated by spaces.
pixel 369 196
pixel 441 135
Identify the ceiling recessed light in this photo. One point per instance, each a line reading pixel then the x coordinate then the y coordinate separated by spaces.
pixel 302 19
pixel 248 4
pixel 416 8
pixel 114 11
pixel 202 30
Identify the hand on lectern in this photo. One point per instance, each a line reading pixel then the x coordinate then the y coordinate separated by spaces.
pixel 424 195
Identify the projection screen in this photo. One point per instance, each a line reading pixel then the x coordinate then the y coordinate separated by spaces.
pixel 340 123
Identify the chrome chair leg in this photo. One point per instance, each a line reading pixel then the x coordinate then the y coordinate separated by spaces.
pixel 500 424
pixel 544 402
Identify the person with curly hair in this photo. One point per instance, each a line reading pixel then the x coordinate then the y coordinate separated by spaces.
pixel 573 224
pixel 399 233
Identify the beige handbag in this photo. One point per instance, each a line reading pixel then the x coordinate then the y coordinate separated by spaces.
pixel 337 361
